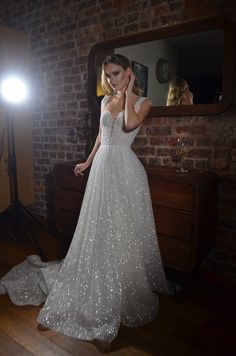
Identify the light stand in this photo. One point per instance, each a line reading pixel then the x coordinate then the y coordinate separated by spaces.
pixel 18 215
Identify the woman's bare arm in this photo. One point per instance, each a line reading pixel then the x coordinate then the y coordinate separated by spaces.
pixel 133 118
pixel 80 167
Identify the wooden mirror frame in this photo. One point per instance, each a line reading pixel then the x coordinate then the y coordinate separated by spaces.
pixel 173 31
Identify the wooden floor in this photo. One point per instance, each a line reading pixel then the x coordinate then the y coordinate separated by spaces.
pixel 202 323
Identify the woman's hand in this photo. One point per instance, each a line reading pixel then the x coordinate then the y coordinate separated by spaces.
pixel 79 168
pixel 187 98
pixel 130 84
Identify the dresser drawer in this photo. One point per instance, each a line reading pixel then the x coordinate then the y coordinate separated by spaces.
pixel 175 253
pixel 172 195
pixel 66 221
pixel 173 224
pixel 68 179
pixel 68 199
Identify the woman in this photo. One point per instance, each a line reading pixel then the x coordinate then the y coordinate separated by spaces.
pixel 113 264
pixel 179 93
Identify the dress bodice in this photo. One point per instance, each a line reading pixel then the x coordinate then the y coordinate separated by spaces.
pixel 112 129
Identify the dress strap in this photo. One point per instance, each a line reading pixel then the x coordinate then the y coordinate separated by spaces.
pixel 105 100
pixel 139 102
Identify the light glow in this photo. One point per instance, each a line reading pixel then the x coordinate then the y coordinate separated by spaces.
pixel 14 90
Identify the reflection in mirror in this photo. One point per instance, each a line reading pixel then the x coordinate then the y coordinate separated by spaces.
pixel 179 93
pixel 201 52
pixel 184 56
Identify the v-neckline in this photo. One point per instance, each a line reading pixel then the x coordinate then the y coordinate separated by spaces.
pixel 114 117
pixel 119 112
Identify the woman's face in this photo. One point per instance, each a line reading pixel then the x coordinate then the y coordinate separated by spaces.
pixel 117 76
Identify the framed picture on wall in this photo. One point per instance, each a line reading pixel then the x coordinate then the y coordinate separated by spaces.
pixel 141 72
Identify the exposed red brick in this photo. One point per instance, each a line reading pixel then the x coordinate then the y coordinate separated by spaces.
pixel 201 163
pixel 157 141
pixel 193 129
pixel 201 11
pixel 140 141
pixel 155 161
pixel 218 164
pixel 192 3
pixel 161 9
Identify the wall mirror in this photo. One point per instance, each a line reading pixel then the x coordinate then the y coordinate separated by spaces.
pixel 202 52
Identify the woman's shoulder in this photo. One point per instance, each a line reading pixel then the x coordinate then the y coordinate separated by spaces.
pixel 105 100
pixel 143 100
pixel 143 103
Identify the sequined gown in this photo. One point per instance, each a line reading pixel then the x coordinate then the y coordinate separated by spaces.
pixel 113 265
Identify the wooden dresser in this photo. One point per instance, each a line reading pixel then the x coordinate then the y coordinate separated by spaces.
pixel 184 206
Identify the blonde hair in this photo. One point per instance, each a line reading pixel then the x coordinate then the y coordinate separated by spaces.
pixel 177 88
pixel 125 64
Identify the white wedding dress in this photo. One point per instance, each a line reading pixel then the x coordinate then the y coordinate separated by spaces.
pixel 113 265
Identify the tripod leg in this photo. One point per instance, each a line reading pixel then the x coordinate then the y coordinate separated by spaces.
pixel 20 220
pixel 11 218
pixel 25 209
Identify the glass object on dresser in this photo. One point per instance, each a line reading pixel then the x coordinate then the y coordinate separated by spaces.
pixel 181 153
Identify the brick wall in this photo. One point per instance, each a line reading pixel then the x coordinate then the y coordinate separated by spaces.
pixel 62 34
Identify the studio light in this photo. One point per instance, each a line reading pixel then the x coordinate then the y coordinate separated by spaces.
pixel 14 90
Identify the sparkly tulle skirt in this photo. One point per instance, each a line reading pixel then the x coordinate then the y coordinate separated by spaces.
pixel 113 268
